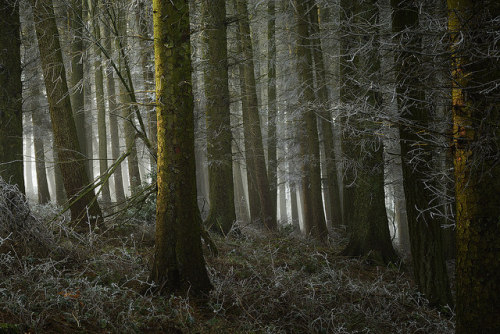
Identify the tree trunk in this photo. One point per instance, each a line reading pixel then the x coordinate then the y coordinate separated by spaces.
pixel 178 264
pixel 147 58
pixel 101 107
pixel 76 79
pixel 113 121
pixel 251 123
pixel 314 218
pixel 11 118
pixel 347 96
pixel 325 120
pixel 369 225
pixel 37 118
pixel 476 115
pixel 272 163
pixel 429 266
pixel 220 159
pixel 83 205
pixel 253 194
pixel 268 214
pixel 127 108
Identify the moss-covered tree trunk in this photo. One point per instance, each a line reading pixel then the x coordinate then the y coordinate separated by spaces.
pixel 83 204
pixel 314 217
pixel 427 254
pixel 11 119
pixel 476 133
pixel 178 261
pixel 251 115
pixel 219 152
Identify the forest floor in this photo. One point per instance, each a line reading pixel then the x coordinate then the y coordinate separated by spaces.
pixel 53 280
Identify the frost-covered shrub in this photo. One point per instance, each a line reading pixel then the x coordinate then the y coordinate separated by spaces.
pixel 19 228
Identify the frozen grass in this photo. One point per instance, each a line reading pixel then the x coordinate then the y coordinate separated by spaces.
pixel 97 282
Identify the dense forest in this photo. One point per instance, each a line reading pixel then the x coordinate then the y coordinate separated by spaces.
pixel 250 166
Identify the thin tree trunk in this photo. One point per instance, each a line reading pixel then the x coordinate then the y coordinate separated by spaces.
pixel 147 59
pixel 37 121
pixel 127 108
pixel 101 107
pixel 272 164
pixel 113 121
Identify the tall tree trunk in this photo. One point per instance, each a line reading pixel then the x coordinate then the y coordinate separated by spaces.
pixel 147 58
pixel 83 204
pixel 268 213
pixel 253 194
pixel 76 16
pixel 325 120
pixel 37 117
pixel 272 163
pixel 220 159
pixel 126 99
pixel 11 119
pixel 429 266
pixel 476 116
pixel 314 218
pixel 369 226
pixel 113 121
pixel 101 107
pixel 178 263
pixel 347 96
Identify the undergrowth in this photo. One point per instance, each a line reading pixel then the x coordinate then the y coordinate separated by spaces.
pixel 97 283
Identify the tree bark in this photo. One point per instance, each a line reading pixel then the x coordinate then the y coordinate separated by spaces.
pixel 314 218
pixel 76 78
pixel 476 115
pixel 127 97
pixel 369 225
pixel 272 163
pixel 101 107
pixel 11 119
pixel 113 121
pixel 178 264
pixel 83 206
pixel 325 120
pixel 220 160
pixel 429 267
pixel 268 214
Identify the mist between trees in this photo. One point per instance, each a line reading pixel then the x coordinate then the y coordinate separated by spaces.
pixel 377 121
